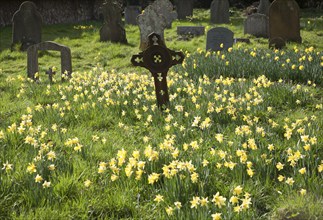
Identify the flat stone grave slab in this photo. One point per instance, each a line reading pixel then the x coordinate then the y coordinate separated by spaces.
pixel 191 30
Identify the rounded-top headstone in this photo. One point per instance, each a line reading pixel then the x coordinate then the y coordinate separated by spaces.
pixel 219 38
pixel 284 21
pixel 26 25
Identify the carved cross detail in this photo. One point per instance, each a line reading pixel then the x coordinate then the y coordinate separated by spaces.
pixel 50 74
pixel 158 59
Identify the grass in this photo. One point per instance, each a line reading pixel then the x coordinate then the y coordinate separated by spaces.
pixel 241 138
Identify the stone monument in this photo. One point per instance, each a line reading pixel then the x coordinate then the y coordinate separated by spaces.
pixel 220 12
pixel 184 8
pixel 112 29
pixel 26 25
pixel 284 21
pixel 219 38
pixel 158 59
pixel 155 18
pixel 256 25
pixel 32 58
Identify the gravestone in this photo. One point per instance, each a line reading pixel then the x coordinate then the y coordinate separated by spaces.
pixel 284 20
pixel 32 58
pixel 184 8
pixel 112 29
pixel 263 7
pixel 220 12
pixel 256 25
pixel 158 59
pixel 166 9
pixel 219 36
pixel 26 25
pixel 131 13
pixel 151 20
pixel 191 30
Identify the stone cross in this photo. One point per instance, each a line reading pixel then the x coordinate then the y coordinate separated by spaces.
pixel 50 74
pixel 157 58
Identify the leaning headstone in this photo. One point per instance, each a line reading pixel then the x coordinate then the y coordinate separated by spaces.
pixel 284 20
pixel 131 13
pixel 256 25
pixel 219 38
pixel 32 58
pixel 220 12
pixel 263 7
pixel 112 29
pixel 191 30
pixel 26 25
pixel 184 8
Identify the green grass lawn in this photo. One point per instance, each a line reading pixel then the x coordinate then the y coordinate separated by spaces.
pixel 242 137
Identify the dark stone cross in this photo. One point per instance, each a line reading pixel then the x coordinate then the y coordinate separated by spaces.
pixel 50 74
pixel 157 58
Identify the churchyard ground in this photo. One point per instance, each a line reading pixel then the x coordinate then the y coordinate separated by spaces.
pixel 241 139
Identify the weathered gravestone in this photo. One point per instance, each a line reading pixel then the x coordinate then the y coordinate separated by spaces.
pixel 220 12
pixel 112 29
pixel 184 8
pixel 284 21
pixel 158 59
pixel 26 25
pixel 32 58
pixel 263 7
pixel 219 38
pixel 166 8
pixel 256 25
pixel 151 20
pixel 131 13
pixel 191 30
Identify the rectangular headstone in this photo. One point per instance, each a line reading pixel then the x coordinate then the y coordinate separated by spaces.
pixel 184 8
pixel 284 20
pixel 220 12
pixel 217 37
pixel 256 25
pixel 191 30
